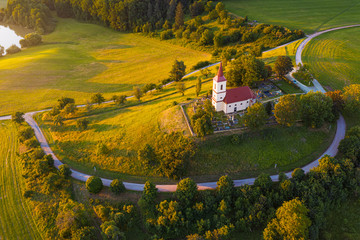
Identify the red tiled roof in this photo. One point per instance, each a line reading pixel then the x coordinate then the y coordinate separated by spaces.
pixel 220 76
pixel 238 94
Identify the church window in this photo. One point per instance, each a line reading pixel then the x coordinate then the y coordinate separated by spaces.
pixel 221 87
pixel 220 97
pixel 214 86
pixel 229 105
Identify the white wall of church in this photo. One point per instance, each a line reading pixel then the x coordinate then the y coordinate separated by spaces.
pixel 239 106
pixel 219 106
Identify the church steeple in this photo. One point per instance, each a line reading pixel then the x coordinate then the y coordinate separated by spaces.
pixel 220 72
pixel 219 89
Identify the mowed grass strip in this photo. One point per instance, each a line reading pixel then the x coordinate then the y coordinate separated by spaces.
pixel 79 59
pixel 308 15
pixel 16 220
pixel 334 58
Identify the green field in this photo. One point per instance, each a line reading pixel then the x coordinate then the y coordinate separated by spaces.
pixel 15 216
pixel 334 58
pixel 80 59
pixel 124 131
pixel 258 152
pixel 308 15
pixel 344 221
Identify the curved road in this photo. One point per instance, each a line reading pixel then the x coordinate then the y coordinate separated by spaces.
pixel 331 151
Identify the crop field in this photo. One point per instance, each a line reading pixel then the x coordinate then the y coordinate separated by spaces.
pixel 307 15
pixel 80 59
pixel 15 216
pixel 334 58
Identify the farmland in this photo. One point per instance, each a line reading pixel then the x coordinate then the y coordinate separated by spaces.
pixel 78 60
pixel 334 58
pixel 307 15
pixel 15 216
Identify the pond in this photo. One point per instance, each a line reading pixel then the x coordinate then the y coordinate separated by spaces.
pixel 9 37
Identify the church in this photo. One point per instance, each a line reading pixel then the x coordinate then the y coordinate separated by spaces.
pixel 232 100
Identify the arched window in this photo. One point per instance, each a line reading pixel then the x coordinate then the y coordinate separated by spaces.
pixel 221 87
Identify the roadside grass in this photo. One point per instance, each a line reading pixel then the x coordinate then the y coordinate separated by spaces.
pixel 287 87
pixel 334 58
pixel 307 15
pixel 258 152
pixel 343 222
pixel 16 219
pixel 80 59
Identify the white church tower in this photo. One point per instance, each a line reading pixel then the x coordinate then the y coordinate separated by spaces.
pixel 219 90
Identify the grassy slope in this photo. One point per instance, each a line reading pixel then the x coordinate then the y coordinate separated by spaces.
pixel 15 216
pixel 269 57
pixel 125 131
pixel 308 15
pixel 344 222
pixel 334 58
pixel 80 59
pixel 259 152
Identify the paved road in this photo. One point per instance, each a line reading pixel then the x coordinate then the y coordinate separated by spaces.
pixel 331 151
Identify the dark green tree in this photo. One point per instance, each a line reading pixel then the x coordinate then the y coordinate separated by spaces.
pixel 94 184
pixel 178 71
pixel 97 98
pixel 283 65
pixel 18 117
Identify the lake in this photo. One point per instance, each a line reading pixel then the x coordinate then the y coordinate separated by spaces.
pixel 8 37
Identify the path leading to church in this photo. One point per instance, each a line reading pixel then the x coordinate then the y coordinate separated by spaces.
pixel 331 151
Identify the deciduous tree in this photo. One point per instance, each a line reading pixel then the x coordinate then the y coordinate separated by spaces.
pixel 287 110
pixel 255 117
pixel 283 65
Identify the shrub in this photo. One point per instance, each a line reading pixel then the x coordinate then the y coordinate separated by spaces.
pixel 102 149
pixel 31 39
pixel 82 124
pixel 165 35
pixel 31 143
pixel 117 186
pixel 65 170
pixel 94 184
pixel 26 134
pixel 13 49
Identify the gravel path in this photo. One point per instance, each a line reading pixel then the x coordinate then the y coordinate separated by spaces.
pixel 331 151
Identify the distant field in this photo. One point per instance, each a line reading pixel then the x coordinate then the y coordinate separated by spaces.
pixel 16 220
pixel 308 15
pixel 334 58
pixel 269 57
pixel 3 3
pixel 80 59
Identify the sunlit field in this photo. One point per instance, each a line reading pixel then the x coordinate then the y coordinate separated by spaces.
pixel 334 58
pixel 78 60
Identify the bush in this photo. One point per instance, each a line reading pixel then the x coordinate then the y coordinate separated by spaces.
pixel 102 149
pixel 82 124
pixel 26 134
pixel 65 170
pixel 165 35
pixel 200 64
pixel 31 39
pixel 94 184
pixel 32 143
pixel 117 186
pixel 13 49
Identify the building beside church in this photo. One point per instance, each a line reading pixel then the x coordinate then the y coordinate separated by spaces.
pixel 232 100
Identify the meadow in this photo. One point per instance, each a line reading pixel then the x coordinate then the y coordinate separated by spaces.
pixel 80 59
pixel 15 215
pixel 307 15
pixel 334 58
pixel 344 222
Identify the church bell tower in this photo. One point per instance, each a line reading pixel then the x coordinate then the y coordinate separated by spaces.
pixel 219 90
